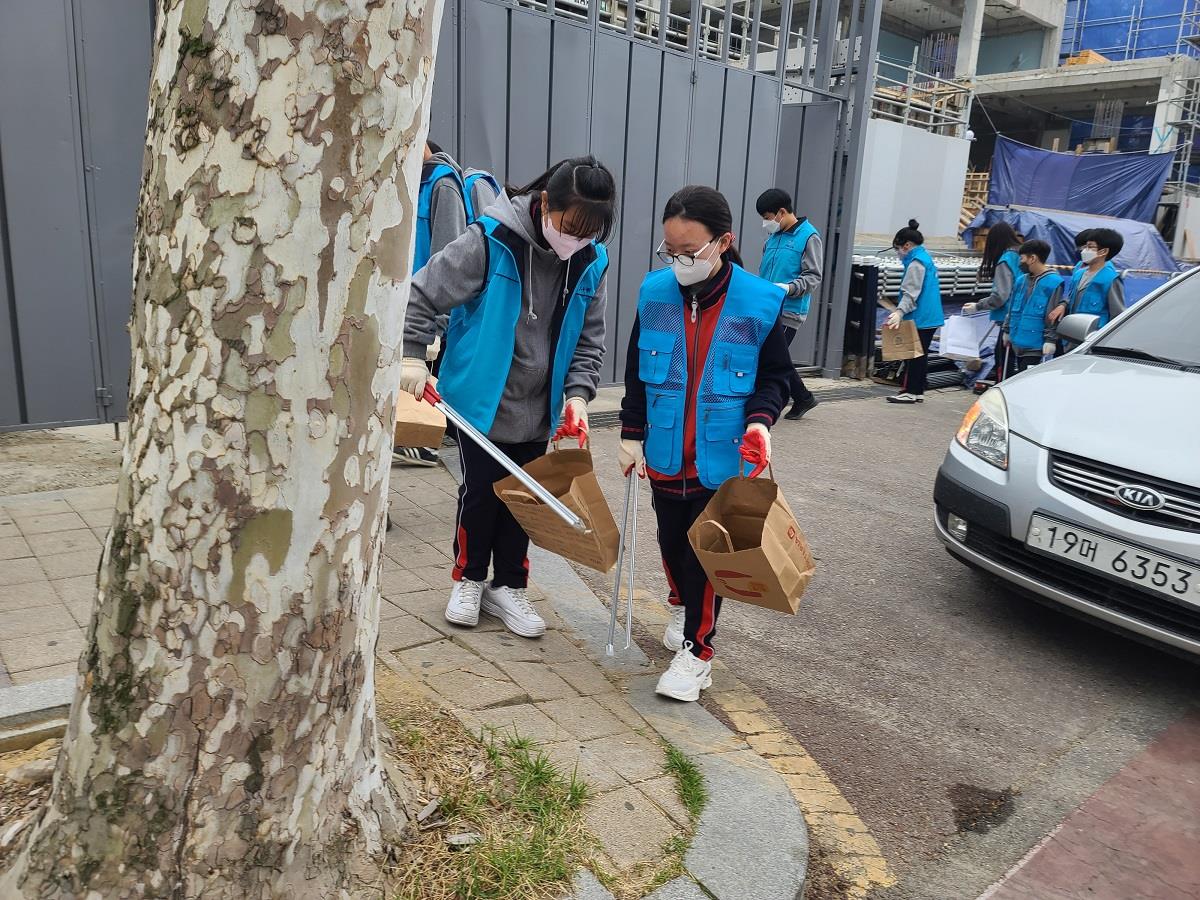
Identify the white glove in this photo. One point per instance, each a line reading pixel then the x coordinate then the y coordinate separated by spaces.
pixel 893 321
pixel 1048 348
pixel 969 309
pixel 414 375
pixel 803 318
pixel 632 456
pixel 786 285
pixel 434 349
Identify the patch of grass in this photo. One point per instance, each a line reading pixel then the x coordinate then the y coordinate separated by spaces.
pixel 526 813
pixel 689 780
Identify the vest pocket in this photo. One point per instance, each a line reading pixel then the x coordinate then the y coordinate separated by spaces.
pixel 656 349
pixel 660 434
pixel 736 367
pixel 723 430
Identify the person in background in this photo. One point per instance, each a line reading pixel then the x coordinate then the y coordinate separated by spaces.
pixel 792 258
pixel 447 202
pixel 920 303
pixel 1002 266
pixel 1097 288
pixel 525 289
pixel 706 377
pixel 1034 307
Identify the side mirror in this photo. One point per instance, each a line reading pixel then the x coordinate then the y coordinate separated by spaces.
pixel 1077 327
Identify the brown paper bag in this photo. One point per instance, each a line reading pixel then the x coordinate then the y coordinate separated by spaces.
pixel 568 475
pixel 902 342
pixel 418 424
pixel 750 546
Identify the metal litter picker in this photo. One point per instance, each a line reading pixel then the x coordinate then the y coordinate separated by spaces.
pixel 433 397
pixel 628 518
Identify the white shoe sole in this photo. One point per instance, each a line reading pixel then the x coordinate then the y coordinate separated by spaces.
pixel 517 626
pixel 459 619
pixel 686 696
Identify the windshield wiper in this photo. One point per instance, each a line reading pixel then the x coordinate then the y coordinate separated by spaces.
pixel 1134 353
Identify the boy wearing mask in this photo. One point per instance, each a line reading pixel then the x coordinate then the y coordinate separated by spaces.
pixel 1037 303
pixel 1097 287
pixel 792 260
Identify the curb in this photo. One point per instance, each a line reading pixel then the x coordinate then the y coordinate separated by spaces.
pixel 32 713
pixel 751 842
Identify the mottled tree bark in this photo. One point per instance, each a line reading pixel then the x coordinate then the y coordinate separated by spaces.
pixel 222 741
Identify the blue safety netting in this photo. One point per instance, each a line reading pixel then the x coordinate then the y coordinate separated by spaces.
pixel 1125 185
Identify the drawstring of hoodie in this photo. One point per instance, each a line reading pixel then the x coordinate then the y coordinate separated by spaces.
pixel 530 315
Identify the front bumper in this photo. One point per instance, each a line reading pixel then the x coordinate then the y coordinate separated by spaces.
pixel 972 490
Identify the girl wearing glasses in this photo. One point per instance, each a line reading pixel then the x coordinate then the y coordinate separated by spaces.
pixel 706 376
pixel 525 290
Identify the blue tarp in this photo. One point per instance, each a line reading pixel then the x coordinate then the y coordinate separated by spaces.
pixel 1125 185
pixel 1144 247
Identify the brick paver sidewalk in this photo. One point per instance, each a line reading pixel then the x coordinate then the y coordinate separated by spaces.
pixel 547 690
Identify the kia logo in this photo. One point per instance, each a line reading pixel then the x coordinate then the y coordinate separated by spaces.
pixel 1138 497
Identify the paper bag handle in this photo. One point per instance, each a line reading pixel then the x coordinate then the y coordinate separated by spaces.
pixel 721 530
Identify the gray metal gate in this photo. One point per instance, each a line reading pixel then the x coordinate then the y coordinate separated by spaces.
pixel 667 94
pixel 73 78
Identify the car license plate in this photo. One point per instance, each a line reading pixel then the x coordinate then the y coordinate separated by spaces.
pixel 1114 558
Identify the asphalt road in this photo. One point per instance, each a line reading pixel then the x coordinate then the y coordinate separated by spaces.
pixel 962 721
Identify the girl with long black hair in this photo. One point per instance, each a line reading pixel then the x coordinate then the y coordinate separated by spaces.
pixel 706 377
pixel 525 288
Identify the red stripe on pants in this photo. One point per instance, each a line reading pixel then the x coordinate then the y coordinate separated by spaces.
pixel 707 621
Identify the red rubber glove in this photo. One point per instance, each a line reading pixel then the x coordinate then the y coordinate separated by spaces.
pixel 756 448
pixel 575 422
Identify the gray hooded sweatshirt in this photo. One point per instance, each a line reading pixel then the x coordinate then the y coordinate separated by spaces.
pixel 456 276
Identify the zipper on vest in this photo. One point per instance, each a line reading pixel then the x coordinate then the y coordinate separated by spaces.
pixel 687 396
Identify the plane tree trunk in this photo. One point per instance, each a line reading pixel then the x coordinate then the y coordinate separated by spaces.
pixel 222 741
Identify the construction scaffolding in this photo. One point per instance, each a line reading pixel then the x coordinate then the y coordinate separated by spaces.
pixel 1127 29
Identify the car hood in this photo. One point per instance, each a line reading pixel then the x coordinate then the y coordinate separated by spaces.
pixel 1144 418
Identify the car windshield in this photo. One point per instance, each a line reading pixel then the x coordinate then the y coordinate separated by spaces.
pixel 1166 328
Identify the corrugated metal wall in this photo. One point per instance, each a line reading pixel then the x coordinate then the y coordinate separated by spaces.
pixel 516 89
pixel 73 78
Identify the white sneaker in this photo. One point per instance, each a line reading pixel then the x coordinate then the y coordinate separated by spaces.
pixel 512 607
pixel 463 608
pixel 686 677
pixel 673 636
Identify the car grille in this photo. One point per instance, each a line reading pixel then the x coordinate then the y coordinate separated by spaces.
pixel 1098 483
pixel 1129 600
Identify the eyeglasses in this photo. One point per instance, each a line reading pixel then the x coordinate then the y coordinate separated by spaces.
pixel 684 259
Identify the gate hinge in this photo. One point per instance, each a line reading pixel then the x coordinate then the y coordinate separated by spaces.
pixel 104 395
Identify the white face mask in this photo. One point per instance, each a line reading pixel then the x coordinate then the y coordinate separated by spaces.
pixel 1087 254
pixel 564 245
pixel 697 272
pixel 770 226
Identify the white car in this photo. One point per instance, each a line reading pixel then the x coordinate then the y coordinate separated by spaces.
pixel 1078 481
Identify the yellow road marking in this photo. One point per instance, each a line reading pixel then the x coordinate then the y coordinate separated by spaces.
pixel 850 848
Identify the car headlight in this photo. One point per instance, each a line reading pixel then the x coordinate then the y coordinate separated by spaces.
pixel 984 429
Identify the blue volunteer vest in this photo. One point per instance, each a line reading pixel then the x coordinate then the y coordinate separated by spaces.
pixel 1013 261
pixel 727 375
pixel 469 182
pixel 928 312
pixel 783 258
pixel 1094 298
pixel 481 333
pixel 1027 314
pixel 424 206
